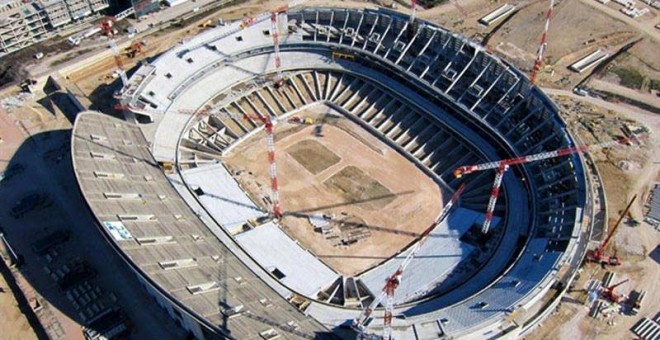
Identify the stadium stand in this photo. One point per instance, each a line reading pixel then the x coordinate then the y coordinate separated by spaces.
pixel 187 270
pixel 438 98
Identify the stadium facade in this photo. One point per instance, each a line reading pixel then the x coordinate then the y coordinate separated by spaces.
pixel 439 99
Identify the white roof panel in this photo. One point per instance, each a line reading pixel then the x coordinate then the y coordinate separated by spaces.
pixel 273 249
pixel 222 197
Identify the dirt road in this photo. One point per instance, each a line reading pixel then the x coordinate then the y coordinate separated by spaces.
pixel 606 86
pixel 646 26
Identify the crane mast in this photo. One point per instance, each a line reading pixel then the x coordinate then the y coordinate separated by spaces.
pixel 503 165
pixel 275 33
pixel 597 255
pixel 394 280
pixel 107 27
pixel 494 193
pixel 542 46
pixel 270 143
pixel 413 11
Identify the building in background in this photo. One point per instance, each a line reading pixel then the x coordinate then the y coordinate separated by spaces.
pixel 144 7
pixel 23 23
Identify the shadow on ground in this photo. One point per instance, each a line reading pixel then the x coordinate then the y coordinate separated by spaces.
pixel 76 275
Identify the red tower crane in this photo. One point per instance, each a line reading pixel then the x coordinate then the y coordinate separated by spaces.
pixel 597 254
pixel 542 46
pixel 275 33
pixel 413 11
pixel 503 165
pixel 394 280
pixel 270 142
pixel 107 27
pixel 610 294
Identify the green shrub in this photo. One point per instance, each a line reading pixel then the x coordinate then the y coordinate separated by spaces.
pixel 654 84
pixel 630 78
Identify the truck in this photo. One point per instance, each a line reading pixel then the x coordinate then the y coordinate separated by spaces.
pixel 90 32
pixel 637 298
pixel 29 203
pixel 75 40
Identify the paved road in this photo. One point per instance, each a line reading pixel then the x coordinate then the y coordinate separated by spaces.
pixel 163 17
pixel 170 13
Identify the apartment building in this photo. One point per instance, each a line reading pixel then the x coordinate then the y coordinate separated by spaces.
pixel 23 23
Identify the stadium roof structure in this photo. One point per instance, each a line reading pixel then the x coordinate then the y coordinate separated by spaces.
pixel 165 243
pixel 459 105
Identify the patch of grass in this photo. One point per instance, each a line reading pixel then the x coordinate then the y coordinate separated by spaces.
pixel 313 156
pixel 630 78
pixel 359 188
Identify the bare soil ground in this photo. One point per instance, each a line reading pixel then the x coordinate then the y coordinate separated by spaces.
pixel 573 25
pixel 632 244
pixel 382 191
pixel 11 139
pixel 13 323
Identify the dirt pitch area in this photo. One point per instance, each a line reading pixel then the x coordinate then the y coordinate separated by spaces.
pixel 357 177
pixel 313 156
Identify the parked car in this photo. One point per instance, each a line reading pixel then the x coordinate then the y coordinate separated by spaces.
pixel 29 203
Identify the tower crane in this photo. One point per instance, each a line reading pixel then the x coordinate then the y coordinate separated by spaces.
pixel 274 32
pixel 610 294
pixel 503 165
pixel 413 10
pixel 270 143
pixel 597 254
pixel 394 280
pixel 107 27
pixel 542 46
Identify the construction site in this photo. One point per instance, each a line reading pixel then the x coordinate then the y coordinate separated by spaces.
pixel 395 170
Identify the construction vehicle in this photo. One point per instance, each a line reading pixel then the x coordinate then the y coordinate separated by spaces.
pixel 304 121
pixel 610 294
pixel 300 302
pixel 207 24
pixel 168 167
pixel 597 254
pixel 132 50
pixel 636 303
pixel 394 280
pixel 502 166
pixel 339 55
